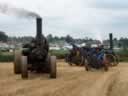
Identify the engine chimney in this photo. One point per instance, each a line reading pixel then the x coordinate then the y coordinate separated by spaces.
pixel 111 40
pixel 39 28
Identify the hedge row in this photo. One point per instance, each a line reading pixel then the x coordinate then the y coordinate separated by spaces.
pixel 60 54
pixel 123 55
pixel 9 57
pixel 6 58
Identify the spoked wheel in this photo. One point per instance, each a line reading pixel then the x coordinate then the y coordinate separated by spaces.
pixel 17 62
pixel 76 60
pixel 88 62
pixel 82 60
pixel 86 65
pixel 117 60
pixel 24 67
pixel 70 61
pixel 106 62
pixel 113 60
pixel 53 67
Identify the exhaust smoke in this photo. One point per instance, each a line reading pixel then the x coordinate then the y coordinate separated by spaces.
pixel 19 12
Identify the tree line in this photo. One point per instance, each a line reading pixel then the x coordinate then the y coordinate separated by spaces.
pixel 3 37
pixel 122 42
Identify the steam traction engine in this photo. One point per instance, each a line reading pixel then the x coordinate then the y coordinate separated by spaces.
pixel 34 57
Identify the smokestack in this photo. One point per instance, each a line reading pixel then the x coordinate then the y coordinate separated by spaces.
pixel 111 40
pixel 39 28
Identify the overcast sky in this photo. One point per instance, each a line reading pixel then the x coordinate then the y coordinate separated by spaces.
pixel 78 18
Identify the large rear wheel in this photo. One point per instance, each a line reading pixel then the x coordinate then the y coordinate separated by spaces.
pixel 24 67
pixel 53 67
pixel 17 61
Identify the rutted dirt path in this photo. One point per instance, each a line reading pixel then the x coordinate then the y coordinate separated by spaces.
pixel 120 86
pixel 71 81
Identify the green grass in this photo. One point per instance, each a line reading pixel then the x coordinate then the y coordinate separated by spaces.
pixel 123 59
pixel 60 54
pixel 123 54
pixel 9 57
pixel 6 57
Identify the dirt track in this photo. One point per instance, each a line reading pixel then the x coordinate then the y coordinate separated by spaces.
pixel 71 81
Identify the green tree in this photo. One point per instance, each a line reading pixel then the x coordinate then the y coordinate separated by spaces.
pixel 69 39
pixel 124 43
pixel 50 38
pixel 3 37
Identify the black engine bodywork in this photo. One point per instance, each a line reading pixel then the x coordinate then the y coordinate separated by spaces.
pixel 37 51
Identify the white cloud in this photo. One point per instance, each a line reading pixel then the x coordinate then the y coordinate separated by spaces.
pixel 79 18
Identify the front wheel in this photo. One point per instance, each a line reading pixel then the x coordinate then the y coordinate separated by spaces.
pixel 24 67
pixel 53 67
pixel 17 62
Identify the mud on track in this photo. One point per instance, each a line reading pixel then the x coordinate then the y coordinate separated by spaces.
pixel 71 81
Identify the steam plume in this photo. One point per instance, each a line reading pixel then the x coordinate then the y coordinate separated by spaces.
pixel 19 12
